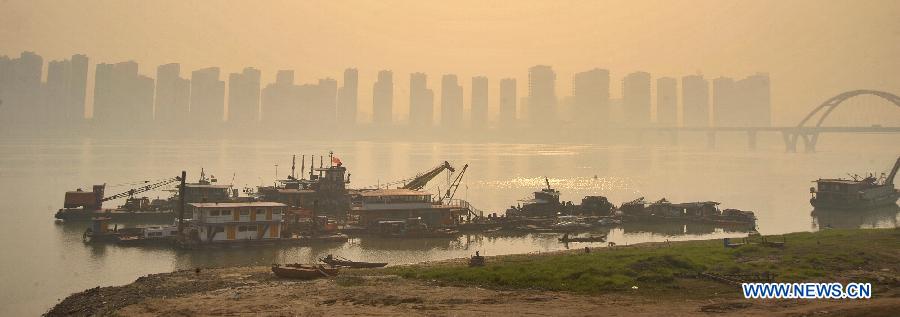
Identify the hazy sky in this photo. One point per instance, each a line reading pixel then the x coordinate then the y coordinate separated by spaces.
pixel 811 49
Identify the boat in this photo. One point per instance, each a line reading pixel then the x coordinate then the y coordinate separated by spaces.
pixel 598 238
pixel 303 272
pixel 81 205
pixel 857 192
pixel 341 262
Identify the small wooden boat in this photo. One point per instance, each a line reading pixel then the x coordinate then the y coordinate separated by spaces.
pixel 304 272
pixel 566 239
pixel 335 262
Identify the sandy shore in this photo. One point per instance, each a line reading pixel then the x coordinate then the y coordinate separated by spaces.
pixel 255 291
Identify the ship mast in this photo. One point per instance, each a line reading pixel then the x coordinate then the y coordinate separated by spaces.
pixel 890 178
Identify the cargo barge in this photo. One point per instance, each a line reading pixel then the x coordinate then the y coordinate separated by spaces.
pixel 856 193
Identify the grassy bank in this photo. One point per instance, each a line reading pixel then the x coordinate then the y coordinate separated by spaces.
pixel 832 255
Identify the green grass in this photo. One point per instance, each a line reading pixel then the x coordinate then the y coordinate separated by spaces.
pixel 808 257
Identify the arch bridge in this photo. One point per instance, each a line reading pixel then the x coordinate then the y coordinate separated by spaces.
pixel 807 131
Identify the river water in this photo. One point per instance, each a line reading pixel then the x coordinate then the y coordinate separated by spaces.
pixel 43 261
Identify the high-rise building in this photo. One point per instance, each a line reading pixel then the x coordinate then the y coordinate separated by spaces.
pixel 421 101
pixel 666 102
pixel 280 101
pixel 695 101
pixel 541 95
pixel 123 99
pixel 21 90
pixel 207 100
pixel 451 102
pixel 65 92
pixel 243 97
pixel 324 103
pixel 724 103
pixel 479 102
pixel 173 95
pixel 347 97
pixel 590 91
pixel 508 102
pixel 383 99
pixel 755 100
pixel 636 99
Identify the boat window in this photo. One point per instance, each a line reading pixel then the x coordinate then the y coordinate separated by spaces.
pixel 226 212
pixel 276 211
pixel 154 234
pixel 219 229
pixel 245 212
pixel 251 228
pixel 260 211
pixel 242 228
pixel 213 213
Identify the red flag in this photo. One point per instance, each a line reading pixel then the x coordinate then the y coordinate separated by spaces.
pixel 336 161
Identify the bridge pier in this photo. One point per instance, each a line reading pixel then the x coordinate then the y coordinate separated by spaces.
pixel 792 138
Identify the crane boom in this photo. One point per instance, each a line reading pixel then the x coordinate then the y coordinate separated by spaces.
pixel 141 189
pixel 419 182
pixel 451 191
pixel 890 179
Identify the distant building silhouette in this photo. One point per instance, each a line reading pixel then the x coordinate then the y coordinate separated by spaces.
pixel 451 102
pixel 207 100
pixel 508 102
pixel 756 99
pixel 21 89
pixel 123 99
pixel 173 95
pixel 542 100
pixel 323 103
pixel 280 102
pixel 479 110
pixel 636 99
pixel 65 92
pixel 695 101
pixel 742 103
pixel 725 104
pixel 383 99
pixel 244 97
pixel 421 101
pixel 666 102
pixel 347 97
pixel 590 92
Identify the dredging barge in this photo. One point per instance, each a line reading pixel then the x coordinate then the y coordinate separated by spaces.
pixel 856 193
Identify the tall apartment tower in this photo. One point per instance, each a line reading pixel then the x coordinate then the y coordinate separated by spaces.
pixel 244 96
pixel 695 101
pixel 173 95
pixel 724 102
pixel 590 91
pixel 667 102
pixel 347 97
pixel 479 119
pixel 451 102
pixel 541 95
pixel 421 101
pixel 508 102
pixel 636 99
pixel 383 98
pixel 207 100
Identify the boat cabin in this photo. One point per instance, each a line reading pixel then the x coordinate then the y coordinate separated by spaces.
pixel 216 222
pixel 401 204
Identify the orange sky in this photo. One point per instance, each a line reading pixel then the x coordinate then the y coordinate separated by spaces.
pixel 811 49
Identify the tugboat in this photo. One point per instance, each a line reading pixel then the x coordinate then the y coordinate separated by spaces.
pixel 857 192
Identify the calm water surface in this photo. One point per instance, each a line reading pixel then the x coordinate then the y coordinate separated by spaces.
pixel 44 261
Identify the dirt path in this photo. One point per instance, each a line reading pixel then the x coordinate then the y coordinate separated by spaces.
pixel 255 291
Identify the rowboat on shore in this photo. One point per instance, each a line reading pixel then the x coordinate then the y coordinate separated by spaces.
pixel 598 238
pixel 338 262
pixel 304 272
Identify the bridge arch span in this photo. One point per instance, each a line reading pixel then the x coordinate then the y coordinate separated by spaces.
pixel 832 103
